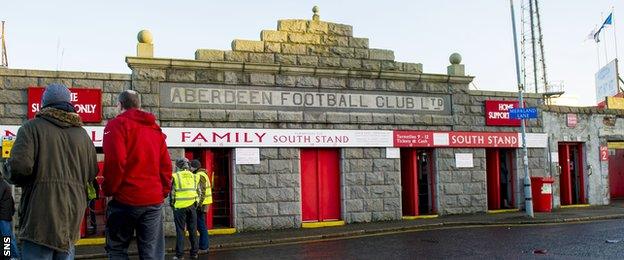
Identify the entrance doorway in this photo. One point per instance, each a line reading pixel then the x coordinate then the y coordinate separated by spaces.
pixel 616 173
pixel 500 176
pixel 217 162
pixel 571 179
pixel 320 184
pixel 417 181
pixel 94 221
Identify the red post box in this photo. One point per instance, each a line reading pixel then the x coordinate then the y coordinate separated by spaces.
pixel 541 189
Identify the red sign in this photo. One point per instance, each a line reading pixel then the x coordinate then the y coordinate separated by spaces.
pixel 480 139
pixel 497 113
pixel 572 120
pixel 456 139
pixel 413 139
pixel 87 102
pixel 604 153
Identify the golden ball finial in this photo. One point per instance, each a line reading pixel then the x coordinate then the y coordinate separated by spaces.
pixel 145 36
pixel 315 10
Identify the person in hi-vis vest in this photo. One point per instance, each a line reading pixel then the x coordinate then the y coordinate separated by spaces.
pixel 184 202
pixel 203 202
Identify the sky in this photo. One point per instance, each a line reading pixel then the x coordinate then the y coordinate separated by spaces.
pixel 96 36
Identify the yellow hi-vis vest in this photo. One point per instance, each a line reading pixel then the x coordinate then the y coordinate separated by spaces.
pixel 185 186
pixel 208 191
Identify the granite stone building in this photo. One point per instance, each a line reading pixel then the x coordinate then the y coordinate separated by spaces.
pixel 587 152
pixel 310 126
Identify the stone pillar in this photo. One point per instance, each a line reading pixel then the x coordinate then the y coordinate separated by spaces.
pixel 145 47
pixel 455 69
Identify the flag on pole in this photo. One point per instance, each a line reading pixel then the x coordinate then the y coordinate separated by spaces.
pixel 591 34
pixel 607 21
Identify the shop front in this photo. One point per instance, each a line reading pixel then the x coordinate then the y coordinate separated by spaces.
pixel 419 172
pixel 583 145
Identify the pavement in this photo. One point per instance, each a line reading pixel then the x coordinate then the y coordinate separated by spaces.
pixel 261 238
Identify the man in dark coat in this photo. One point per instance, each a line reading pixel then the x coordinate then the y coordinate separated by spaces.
pixel 53 160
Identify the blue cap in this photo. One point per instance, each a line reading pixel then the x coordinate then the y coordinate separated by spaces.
pixel 55 93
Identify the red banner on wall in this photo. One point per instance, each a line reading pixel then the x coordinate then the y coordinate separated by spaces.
pixel 479 139
pixel 497 113
pixel 413 139
pixel 87 102
pixel 456 139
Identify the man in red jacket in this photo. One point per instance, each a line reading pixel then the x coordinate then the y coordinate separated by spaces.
pixel 137 175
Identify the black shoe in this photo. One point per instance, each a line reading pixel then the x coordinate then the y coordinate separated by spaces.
pixel 194 257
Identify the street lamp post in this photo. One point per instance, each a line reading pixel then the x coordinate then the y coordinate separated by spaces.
pixel 528 200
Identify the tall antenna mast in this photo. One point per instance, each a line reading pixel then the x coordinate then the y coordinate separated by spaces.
pixel 541 45
pixel 5 60
pixel 535 61
pixel 532 51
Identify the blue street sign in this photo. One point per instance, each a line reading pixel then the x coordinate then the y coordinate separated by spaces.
pixel 523 113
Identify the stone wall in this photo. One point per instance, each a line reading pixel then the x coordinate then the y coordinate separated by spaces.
pixel 371 185
pixel 268 195
pixel 460 190
pixel 15 82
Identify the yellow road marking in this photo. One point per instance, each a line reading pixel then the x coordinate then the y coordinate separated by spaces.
pixel 496 211
pixel 91 241
pixel 574 206
pixel 221 231
pixel 322 224
pixel 419 217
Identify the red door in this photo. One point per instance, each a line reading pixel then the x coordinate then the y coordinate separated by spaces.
pixel 564 179
pixel 492 157
pixel 216 161
pixel 616 173
pixel 320 184
pixel 409 182
pixel 571 180
pixel 417 182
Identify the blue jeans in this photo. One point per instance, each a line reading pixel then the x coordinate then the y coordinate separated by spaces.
pixel 6 229
pixel 201 227
pixel 185 218
pixel 123 220
pixel 31 250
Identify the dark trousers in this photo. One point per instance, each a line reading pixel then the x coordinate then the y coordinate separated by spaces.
pixel 185 218
pixel 123 220
pixel 32 250
pixel 201 227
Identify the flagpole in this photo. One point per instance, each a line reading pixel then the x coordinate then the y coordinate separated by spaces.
pixel 614 32
pixel 605 48
pixel 604 38
pixel 528 201
pixel 598 54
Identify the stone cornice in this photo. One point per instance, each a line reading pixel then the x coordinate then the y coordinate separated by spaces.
pixel 63 74
pixel 161 63
pixel 582 110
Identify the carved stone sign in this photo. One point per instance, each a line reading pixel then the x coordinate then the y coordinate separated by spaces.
pixel 251 97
